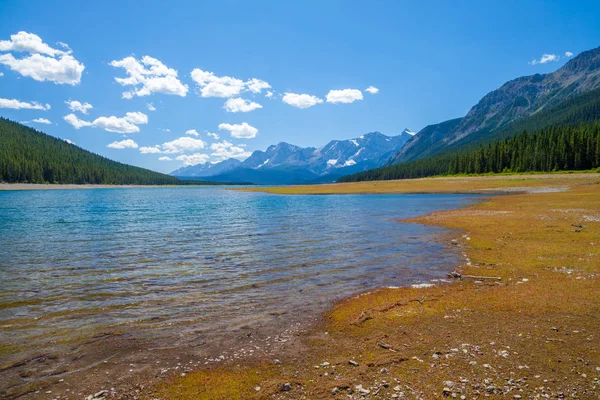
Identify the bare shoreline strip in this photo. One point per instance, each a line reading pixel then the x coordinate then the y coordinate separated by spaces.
pixel 42 186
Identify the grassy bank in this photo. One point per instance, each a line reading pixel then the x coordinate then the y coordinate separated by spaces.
pixel 532 334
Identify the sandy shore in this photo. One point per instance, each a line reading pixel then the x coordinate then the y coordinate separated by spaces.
pixel 526 327
pixel 531 334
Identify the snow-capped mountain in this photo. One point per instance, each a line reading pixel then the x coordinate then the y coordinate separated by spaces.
pixel 286 163
pixel 208 169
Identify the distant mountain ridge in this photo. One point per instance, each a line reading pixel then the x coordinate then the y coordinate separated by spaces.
pixel 518 98
pixel 286 163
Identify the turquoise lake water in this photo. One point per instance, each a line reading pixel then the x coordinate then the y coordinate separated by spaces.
pixel 170 260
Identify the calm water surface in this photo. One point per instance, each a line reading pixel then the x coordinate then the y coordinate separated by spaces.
pixel 169 260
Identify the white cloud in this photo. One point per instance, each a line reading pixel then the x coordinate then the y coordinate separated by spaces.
pixel 569 54
pixel 212 135
pixel 211 85
pixel 127 124
pixel 269 94
pixel 192 132
pixel 193 159
pixel 42 121
pixel 43 63
pixel 225 150
pixel 28 43
pixel 136 118
pixel 78 106
pixel 545 59
pixel 237 104
pixel 301 100
pixel 166 130
pixel 123 144
pixel 182 145
pixel 256 85
pixel 17 105
pixel 165 158
pixel 115 124
pixel 150 107
pixel 76 122
pixel 69 141
pixel 148 76
pixel 1 73
pixel 240 131
pixel 372 90
pixel 344 96
pixel 150 150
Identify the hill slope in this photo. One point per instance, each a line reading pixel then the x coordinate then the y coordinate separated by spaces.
pixel 577 112
pixel 516 99
pixel 27 155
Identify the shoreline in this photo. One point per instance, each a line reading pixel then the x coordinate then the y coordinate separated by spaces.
pixel 105 358
pixel 52 186
pixel 466 338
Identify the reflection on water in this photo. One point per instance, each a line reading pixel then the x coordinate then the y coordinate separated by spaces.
pixel 164 261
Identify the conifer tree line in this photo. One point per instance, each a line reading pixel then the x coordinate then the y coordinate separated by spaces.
pixel 556 148
pixel 29 156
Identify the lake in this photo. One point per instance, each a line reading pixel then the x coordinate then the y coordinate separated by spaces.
pixel 178 263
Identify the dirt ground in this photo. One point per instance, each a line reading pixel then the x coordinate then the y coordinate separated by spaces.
pixel 522 321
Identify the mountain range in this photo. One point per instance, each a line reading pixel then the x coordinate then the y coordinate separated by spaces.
pixel 285 163
pixel 516 99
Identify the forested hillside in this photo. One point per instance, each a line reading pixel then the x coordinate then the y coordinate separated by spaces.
pixel 27 155
pixel 515 100
pixel 551 149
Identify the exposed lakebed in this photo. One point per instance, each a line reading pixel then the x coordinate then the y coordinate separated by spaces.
pixel 186 267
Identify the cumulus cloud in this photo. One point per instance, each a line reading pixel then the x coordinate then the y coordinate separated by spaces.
pixel 568 54
pixel 211 85
pixel 212 135
pixel 192 132
pixel 17 105
pixel 240 131
pixel 182 145
pixel 78 106
pixel 127 124
pixel 136 118
pixel 76 122
pixel 193 159
pixel 256 85
pixel 43 63
pixel 301 100
pixel 237 104
pixel 115 124
pixel 1 73
pixel 150 149
pixel 269 94
pixel 123 144
pixel 546 58
pixel 147 76
pixel 28 43
pixel 344 96
pixel 42 121
pixel 372 90
pixel 224 150
pixel 165 158
pixel 150 107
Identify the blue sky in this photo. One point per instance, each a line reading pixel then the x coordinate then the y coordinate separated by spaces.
pixel 431 61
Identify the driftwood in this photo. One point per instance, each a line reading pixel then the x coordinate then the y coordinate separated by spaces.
pixel 458 275
pixel 386 346
pixel 482 278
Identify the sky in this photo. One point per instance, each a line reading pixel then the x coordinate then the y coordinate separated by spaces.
pixel 163 85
